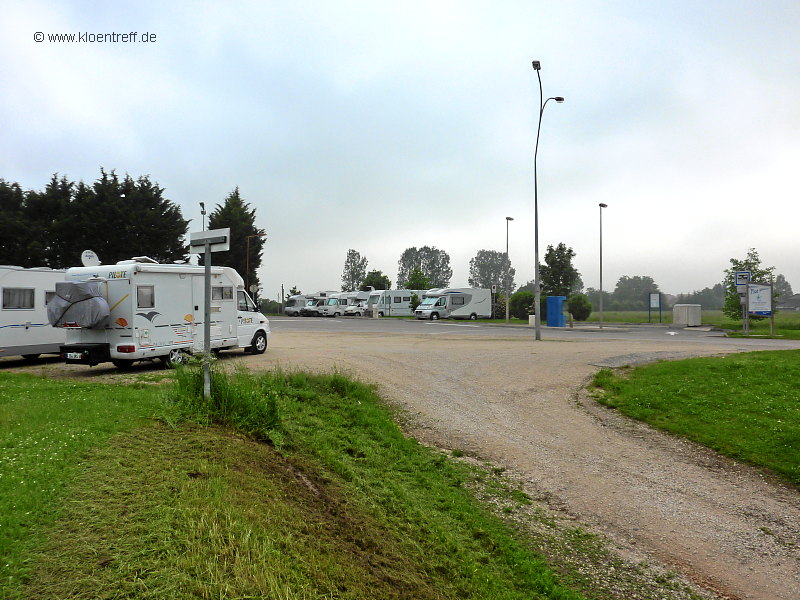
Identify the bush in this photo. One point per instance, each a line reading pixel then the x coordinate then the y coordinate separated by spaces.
pixel 579 307
pixel 521 304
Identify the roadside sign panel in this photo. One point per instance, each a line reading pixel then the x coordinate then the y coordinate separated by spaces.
pixel 742 279
pixel 759 300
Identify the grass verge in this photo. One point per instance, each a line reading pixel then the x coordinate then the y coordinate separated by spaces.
pixel 745 406
pixel 338 504
pixel 47 428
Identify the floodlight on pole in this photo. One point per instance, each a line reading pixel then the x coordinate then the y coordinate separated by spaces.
pixel 537 66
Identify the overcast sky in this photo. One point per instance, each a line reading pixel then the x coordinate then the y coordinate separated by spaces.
pixel 378 126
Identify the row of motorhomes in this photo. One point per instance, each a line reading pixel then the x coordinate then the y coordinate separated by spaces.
pixel 437 303
pixel 136 309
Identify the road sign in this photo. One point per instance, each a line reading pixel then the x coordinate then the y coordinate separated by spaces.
pixel 759 300
pixel 218 240
pixel 742 279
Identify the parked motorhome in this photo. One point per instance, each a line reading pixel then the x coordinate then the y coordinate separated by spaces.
pixel 334 305
pixel 391 303
pixel 140 309
pixel 294 304
pixel 356 302
pixel 315 303
pixel 455 303
pixel 24 329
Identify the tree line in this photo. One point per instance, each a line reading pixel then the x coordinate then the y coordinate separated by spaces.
pixel 428 267
pixel 118 218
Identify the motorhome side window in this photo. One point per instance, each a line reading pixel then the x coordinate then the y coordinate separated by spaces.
pixel 458 300
pixel 245 304
pixel 223 292
pixel 145 296
pixel 17 298
pixel 397 299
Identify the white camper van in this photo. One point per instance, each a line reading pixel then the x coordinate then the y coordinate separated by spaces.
pixel 24 329
pixel 456 303
pixel 334 305
pixel 294 304
pixel 140 309
pixel 356 302
pixel 391 303
pixel 315 304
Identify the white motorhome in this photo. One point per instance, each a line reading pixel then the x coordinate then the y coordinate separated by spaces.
pixel 315 303
pixel 391 303
pixel 334 305
pixel 455 303
pixel 153 311
pixel 294 304
pixel 356 302
pixel 24 329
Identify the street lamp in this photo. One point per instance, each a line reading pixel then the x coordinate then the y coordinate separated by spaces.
pixel 602 206
pixel 508 220
pixel 537 284
pixel 247 258
pixel 203 212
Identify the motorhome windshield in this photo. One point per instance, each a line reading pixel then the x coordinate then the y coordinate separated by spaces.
pixel 312 302
pixel 333 301
pixel 428 302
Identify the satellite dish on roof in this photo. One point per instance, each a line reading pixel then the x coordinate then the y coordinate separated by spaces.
pixel 89 259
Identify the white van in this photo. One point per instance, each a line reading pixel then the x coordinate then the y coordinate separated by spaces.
pixel 140 309
pixel 315 303
pixel 356 302
pixel 294 304
pixel 391 303
pixel 24 329
pixel 455 303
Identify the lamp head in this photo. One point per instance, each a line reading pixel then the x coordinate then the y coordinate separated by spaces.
pixel 537 66
pixel 603 205
pixel 559 99
pixel 509 218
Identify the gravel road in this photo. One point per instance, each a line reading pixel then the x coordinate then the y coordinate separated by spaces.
pixel 725 527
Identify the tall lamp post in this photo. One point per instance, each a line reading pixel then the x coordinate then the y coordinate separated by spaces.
pixel 602 206
pixel 247 259
pixel 508 220
pixel 537 66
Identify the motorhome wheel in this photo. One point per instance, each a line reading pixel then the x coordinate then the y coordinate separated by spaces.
pixel 473 317
pixel 259 344
pixel 434 316
pixel 175 357
pixel 121 364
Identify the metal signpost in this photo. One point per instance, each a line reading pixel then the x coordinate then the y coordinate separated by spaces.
pixel 655 302
pixel 742 279
pixel 213 240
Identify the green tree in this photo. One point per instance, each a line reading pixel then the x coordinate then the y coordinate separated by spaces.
pixel 521 304
pixel 712 298
pixel 558 275
pixel 415 302
pixel 13 226
pixel 489 268
pixel 434 264
pixel 417 280
pixel 782 288
pixel 377 280
pixel 631 293
pixel 247 240
pixel 354 272
pixel 759 274
pixel 579 306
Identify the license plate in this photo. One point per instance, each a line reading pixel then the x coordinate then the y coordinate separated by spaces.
pixel 74 355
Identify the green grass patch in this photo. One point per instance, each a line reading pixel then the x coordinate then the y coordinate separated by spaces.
pixel 746 406
pixel 46 430
pixel 337 504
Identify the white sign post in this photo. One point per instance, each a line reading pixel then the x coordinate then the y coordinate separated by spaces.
pixel 214 240
pixel 742 279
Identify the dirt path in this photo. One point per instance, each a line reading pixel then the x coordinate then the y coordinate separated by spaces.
pixel 517 404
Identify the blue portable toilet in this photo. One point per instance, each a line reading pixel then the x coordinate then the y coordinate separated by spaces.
pixel 555 311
